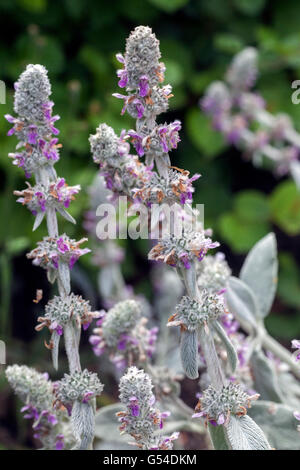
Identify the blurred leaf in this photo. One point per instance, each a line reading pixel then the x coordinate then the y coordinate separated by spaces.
pixel 202 135
pixel 174 72
pixel 169 5
pixel 17 245
pixel 251 206
pixel 250 7
pixel 285 207
pixel 241 235
pixel 228 43
pixel 289 280
pixel 33 6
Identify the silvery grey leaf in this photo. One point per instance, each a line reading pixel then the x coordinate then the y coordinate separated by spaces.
pixel 244 434
pixel 66 215
pixel 218 437
pixel 231 352
pixel 265 378
pixel 55 338
pixel 278 423
pixel 38 220
pixel 241 302
pixel 290 389
pixel 189 353
pixel 107 425
pixel 64 276
pixel 260 271
pixel 83 425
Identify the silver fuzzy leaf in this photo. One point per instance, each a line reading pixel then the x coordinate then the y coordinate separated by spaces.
pixel 260 271
pixel 55 338
pixel 189 353
pixel 244 434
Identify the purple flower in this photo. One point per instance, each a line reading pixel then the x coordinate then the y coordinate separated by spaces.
pixel 123 75
pixel 143 86
pixel 62 246
pixel 134 407
pixel 59 442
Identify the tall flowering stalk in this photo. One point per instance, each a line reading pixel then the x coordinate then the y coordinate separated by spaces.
pixel 240 114
pixel 36 153
pixel 156 181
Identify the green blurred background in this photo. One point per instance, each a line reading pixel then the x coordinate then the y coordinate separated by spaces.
pixel 77 41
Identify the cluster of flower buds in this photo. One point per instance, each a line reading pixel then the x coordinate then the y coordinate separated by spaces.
pixel 162 139
pixel 34 126
pixel 216 406
pixel 120 170
pixel 181 252
pixel 235 110
pixel 213 273
pixel 62 311
pixel 141 419
pixel 36 391
pixel 51 252
pixel 57 195
pixel 176 188
pixel 122 332
pixel 191 314
pixel 79 386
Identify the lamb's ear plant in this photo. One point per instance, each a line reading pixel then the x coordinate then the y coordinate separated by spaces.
pixel 155 181
pixel 65 315
pixel 236 110
pixel 234 364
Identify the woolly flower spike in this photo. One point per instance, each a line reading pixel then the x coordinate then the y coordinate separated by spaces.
pixel 34 125
pixel 123 333
pixel 30 385
pixel 217 406
pixel 217 99
pixel 242 73
pixel 52 251
pixel 213 273
pixel 79 386
pixel 296 345
pixel 36 391
pixel 38 198
pixel 176 188
pixel 141 420
pixel 107 147
pixel 141 62
pixel 191 314
pixel 32 92
pixel 181 252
